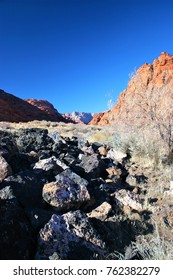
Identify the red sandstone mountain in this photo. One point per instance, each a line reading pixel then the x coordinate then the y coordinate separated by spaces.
pixel 47 108
pixel 14 109
pixel 150 91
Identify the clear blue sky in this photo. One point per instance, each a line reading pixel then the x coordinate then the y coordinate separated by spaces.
pixel 78 54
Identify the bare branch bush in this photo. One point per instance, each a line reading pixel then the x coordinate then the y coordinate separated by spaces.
pixel 153 108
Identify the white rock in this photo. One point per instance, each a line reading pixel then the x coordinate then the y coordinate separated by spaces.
pixel 116 155
pixel 129 199
pixel 5 169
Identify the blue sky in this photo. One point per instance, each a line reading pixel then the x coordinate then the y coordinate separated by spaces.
pixel 78 54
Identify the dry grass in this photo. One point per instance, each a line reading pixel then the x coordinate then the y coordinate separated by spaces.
pixel 143 144
pixel 149 247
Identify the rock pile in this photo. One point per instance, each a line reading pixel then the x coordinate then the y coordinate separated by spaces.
pixel 64 198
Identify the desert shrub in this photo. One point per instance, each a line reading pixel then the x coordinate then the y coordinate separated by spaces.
pixel 153 105
pixel 102 137
pixel 142 144
pixel 152 247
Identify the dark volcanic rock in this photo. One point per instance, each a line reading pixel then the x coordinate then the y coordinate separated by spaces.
pixel 51 175
pixel 33 139
pixel 93 166
pixel 16 235
pixel 49 166
pixel 38 217
pixel 8 146
pixel 69 236
pixel 65 194
pixel 27 188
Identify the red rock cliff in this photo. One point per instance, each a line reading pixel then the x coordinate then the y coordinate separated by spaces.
pixel 14 109
pixel 47 108
pixel 151 84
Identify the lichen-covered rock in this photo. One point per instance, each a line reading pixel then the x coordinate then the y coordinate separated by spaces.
pixel 87 150
pixel 73 176
pixel 93 166
pixel 65 194
pixel 49 166
pixel 8 146
pixel 101 212
pixel 129 198
pixel 5 169
pixel 69 236
pixel 33 139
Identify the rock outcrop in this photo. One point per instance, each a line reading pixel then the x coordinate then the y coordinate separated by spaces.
pixel 151 85
pixel 14 109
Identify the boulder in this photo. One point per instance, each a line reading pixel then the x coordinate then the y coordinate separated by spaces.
pixel 93 166
pixel 65 194
pixel 58 142
pixel 33 139
pixel 101 212
pixel 114 171
pixel 128 198
pixel 8 146
pixel 73 176
pixel 27 188
pixel 131 180
pixel 116 155
pixel 49 166
pixel 87 150
pixel 69 237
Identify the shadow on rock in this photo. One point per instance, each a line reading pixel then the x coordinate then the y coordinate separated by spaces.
pixel 119 234
pixel 68 237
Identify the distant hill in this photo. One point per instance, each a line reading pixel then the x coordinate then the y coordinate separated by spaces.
pixel 14 109
pixel 149 93
pixel 79 117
